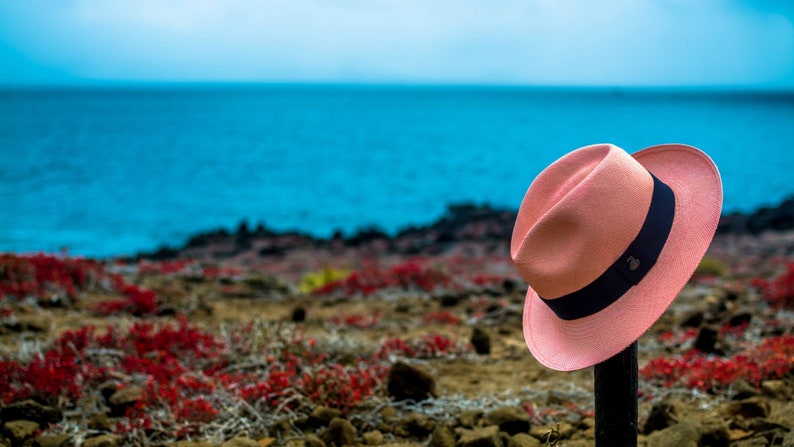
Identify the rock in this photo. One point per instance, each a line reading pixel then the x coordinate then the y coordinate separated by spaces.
pixel 776 389
pixel 481 341
pixel 779 218
pixel 743 390
pixel 480 437
pixel 469 418
pixel 20 431
pixel 714 433
pixel 523 440
pixel 101 422
pixel 124 398
pixel 299 314
pixel 189 444
pixel 682 434
pixel 694 319
pixel 754 407
pixel 663 414
pixel 442 436
pixel 31 411
pixel 706 340
pixel 510 420
pixel 339 432
pixel 102 441
pixel 552 433
pixel 758 441
pixel 788 440
pixel 739 319
pixel 418 425
pixel 763 425
pixel 374 437
pixel 313 441
pixel 321 416
pixel 406 382
pixel 240 441
pixel 52 441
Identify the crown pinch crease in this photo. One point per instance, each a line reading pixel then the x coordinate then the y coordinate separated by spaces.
pixel 630 267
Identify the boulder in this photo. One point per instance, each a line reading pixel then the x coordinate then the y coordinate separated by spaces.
pixel 481 341
pixel 406 382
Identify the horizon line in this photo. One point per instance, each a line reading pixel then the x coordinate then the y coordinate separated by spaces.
pixel 615 89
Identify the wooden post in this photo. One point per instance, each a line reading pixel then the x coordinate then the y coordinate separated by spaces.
pixel 615 381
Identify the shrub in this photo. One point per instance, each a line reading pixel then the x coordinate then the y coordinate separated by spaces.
pixel 778 292
pixel 772 359
pixel 44 276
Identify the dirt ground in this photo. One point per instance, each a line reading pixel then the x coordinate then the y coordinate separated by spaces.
pixel 558 406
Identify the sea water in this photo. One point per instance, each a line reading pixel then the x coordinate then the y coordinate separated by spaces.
pixel 114 171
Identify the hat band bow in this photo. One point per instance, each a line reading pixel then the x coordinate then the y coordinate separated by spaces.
pixel 630 267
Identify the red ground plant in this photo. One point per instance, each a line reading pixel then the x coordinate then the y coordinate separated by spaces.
pixel 779 291
pixel 190 377
pixel 772 359
pixel 44 276
pixel 411 274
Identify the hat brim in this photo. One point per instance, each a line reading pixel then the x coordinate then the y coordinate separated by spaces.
pixel 567 345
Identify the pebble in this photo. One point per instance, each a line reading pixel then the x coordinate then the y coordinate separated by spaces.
pixel 663 414
pixel 418 425
pixel 52 441
pixel 480 437
pixel 240 442
pixel 510 420
pixel 102 441
pixel 523 440
pixel 682 434
pixel 321 416
pixel 374 437
pixel 20 431
pixel 754 407
pixel 124 398
pixel 30 411
pixel 775 388
pixel 339 432
pixel 442 436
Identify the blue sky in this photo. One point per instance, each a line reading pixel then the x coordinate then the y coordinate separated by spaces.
pixel 713 43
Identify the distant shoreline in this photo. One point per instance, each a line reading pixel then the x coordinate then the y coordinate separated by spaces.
pixel 481 225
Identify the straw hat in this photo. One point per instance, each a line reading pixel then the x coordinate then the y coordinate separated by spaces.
pixel 606 240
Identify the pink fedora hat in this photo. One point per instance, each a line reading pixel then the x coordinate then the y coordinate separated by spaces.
pixel 606 240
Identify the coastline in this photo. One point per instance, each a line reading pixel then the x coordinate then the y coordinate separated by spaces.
pixel 465 229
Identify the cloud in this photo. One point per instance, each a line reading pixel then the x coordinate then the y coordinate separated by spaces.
pixel 626 42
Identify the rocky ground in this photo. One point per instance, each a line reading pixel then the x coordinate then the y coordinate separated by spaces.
pixel 257 338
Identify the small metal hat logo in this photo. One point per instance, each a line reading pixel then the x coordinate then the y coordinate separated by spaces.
pixel 634 263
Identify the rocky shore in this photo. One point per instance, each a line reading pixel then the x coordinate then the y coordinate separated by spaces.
pixel 257 338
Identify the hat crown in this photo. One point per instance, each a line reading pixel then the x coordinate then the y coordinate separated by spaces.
pixel 578 216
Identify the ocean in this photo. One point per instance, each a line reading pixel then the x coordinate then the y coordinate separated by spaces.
pixel 112 171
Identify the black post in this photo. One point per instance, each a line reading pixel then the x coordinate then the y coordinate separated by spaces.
pixel 615 381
